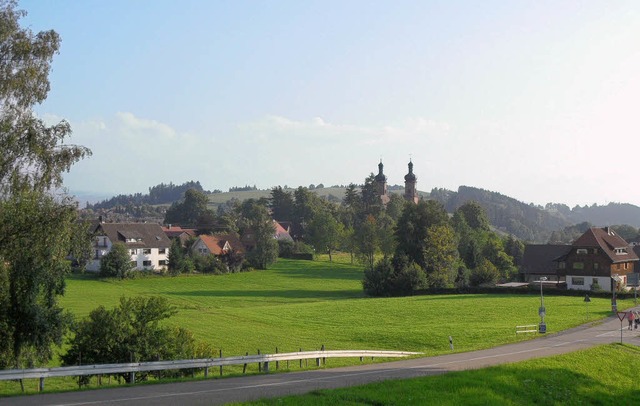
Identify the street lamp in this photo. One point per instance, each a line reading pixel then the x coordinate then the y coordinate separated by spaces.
pixel 541 311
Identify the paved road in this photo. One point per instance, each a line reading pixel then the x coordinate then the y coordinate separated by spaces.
pixel 221 391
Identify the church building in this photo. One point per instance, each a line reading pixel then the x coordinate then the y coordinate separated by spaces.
pixel 410 190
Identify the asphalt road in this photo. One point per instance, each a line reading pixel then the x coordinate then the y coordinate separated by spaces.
pixel 221 391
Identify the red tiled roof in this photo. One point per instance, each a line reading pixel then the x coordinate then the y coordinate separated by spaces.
pixel 216 243
pixel 176 231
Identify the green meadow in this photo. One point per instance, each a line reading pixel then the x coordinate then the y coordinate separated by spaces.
pixel 307 304
pixel 304 304
pixel 604 375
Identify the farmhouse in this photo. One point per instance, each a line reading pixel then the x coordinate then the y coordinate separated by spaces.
pixel 148 245
pixel 539 261
pixel 599 259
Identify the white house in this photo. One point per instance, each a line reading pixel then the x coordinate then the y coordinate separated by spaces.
pixel 147 243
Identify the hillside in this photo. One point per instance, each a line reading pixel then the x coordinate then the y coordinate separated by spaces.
pixel 527 222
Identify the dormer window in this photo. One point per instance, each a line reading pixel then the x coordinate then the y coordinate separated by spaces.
pixel 621 251
pixel 581 251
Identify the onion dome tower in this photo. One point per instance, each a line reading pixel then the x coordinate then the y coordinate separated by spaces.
pixel 410 180
pixel 381 184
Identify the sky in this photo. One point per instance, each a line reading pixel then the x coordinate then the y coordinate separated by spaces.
pixel 537 100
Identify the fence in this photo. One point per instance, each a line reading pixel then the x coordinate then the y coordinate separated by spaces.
pixel 262 360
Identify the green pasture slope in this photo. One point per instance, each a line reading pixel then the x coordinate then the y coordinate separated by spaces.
pixel 605 375
pixel 303 304
pixel 306 304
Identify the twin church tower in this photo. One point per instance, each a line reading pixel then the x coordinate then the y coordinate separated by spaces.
pixel 410 180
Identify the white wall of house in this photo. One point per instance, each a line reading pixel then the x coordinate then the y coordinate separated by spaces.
pixel 577 282
pixel 145 258
pixel 101 247
pixel 149 258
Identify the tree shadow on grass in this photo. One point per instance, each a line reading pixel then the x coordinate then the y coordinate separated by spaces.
pixel 285 294
pixel 338 274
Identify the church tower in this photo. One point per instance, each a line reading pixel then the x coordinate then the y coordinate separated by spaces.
pixel 410 180
pixel 381 185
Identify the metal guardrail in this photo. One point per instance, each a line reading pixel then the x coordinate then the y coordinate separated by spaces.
pixel 133 367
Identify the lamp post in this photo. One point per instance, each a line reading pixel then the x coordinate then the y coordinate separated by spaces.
pixel 542 311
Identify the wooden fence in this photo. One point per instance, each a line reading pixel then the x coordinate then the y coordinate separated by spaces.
pixel 262 360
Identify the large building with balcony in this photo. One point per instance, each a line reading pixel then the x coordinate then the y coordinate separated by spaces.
pixel 147 243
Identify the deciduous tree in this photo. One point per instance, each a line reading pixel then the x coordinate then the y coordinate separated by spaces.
pixel 131 332
pixel 117 262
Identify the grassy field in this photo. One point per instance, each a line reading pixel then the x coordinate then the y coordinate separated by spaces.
pixel 304 305
pixel 605 375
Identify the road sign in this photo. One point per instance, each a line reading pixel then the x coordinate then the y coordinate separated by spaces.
pixel 633 279
pixel 621 315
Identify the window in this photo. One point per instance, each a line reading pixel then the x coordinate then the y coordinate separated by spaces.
pixel 596 266
pixel 146 251
pixel 621 251
pixel 581 251
pixel 577 281
pixel 578 265
pixel 133 252
pixel 595 281
pixel 562 265
pixel 163 262
pixel 146 263
pixel 162 251
pixel 626 265
pixel 595 250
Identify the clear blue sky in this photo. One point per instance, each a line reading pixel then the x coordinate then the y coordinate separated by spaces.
pixel 537 100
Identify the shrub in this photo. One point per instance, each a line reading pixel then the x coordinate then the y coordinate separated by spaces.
pixel 132 332
pixel 485 273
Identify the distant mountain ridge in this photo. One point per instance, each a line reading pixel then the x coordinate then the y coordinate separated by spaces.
pixel 534 223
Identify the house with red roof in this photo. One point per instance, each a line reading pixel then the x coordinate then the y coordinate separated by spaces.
pixel 599 258
pixel 177 232
pixel 218 245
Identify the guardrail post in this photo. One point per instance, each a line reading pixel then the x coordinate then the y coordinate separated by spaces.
pixel 41 386
pixel 324 360
pixel 277 362
pixel 300 359
pixel 244 367
pixel 259 363
pixel 266 367
pixel 132 378
pixel 221 365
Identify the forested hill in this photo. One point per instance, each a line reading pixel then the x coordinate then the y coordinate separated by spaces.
pixel 536 223
pixel 159 194
pixel 528 222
